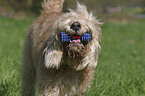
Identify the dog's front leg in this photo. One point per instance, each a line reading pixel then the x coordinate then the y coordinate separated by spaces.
pixel 85 81
pixel 46 83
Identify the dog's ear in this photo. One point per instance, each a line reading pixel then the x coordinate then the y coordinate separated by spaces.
pixel 53 53
pixel 53 5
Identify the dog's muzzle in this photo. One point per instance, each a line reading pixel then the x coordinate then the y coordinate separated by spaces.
pixel 75 44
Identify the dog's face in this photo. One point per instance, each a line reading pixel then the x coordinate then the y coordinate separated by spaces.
pixel 77 29
pixel 78 34
pixel 75 40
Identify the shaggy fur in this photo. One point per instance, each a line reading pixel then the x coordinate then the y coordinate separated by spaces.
pixel 46 63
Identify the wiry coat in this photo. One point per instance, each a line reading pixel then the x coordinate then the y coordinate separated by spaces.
pixel 45 63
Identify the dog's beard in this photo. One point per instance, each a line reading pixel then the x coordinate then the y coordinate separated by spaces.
pixel 75 48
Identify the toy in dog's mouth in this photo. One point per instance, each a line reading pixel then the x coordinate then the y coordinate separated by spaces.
pixel 75 44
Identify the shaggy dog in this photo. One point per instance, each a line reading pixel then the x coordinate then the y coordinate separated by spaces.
pixel 61 51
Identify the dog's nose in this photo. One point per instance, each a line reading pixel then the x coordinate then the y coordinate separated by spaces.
pixel 75 26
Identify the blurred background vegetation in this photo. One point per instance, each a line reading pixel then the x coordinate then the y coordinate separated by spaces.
pixel 106 9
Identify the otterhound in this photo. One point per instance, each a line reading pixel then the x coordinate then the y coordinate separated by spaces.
pixel 61 51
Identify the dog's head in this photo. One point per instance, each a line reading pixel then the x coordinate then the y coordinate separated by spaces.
pixel 77 33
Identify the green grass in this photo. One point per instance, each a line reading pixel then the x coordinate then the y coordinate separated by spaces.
pixel 12 34
pixel 121 68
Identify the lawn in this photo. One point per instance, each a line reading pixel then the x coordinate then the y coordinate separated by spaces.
pixel 121 68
